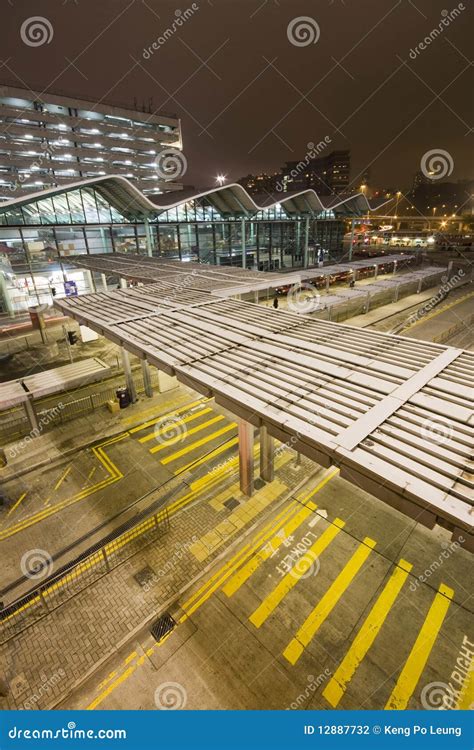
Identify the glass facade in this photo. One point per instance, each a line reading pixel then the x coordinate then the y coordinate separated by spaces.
pixel 36 240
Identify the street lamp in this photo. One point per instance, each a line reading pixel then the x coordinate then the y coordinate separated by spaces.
pixel 221 178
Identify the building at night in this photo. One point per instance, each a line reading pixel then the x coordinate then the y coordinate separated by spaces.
pixel 48 141
pixel 222 226
pixel 327 175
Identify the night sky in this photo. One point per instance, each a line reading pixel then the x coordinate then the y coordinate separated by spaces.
pixel 248 97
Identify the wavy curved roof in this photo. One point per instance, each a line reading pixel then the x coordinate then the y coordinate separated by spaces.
pixel 227 199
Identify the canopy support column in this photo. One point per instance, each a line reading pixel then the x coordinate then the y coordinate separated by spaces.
pixel 267 454
pixel 246 457
pixel 31 414
pixel 147 378
pixel 128 374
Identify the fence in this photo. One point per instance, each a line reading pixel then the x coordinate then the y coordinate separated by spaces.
pixel 55 410
pixel 81 572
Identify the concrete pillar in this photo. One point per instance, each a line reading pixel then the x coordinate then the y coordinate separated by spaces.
pixel 148 238
pixel 376 272
pixel 395 295
pixel 246 457
pixel 147 378
pixel 367 303
pixel 123 283
pixel 31 414
pixel 5 296
pixel 267 452
pixel 128 374
pixel 394 267
pixel 244 253
pixel 327 283
pixel 104 281
pixel 256 296
pixel 306 241
pixel 90 281
pixel 420 284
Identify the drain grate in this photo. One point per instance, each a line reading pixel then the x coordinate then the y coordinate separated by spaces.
pixel 231 503
pixel 162 626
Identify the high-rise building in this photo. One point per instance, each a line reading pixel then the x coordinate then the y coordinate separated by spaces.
pixel 48 140
pixel 325 174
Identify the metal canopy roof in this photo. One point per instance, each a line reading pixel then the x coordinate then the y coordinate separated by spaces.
pixel 223 280
pixel 228 199
pixel 56 380
pixel 395 414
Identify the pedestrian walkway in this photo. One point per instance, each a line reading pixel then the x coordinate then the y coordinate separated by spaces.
pixel 76 638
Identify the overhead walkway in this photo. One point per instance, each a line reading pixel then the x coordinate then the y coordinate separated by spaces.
pixel 396 415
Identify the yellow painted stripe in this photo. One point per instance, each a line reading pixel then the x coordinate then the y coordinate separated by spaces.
pixel 212 454
pixel 198 598
pixel 14 507
pixel 313 622
pixel 367 634
pixel 415 664
pixel 193 431
pixel 198 443
pixel 244 573
pixel 156 419
pixel 114 476
pixel 293 576
pixel 62 478
pixel 169 425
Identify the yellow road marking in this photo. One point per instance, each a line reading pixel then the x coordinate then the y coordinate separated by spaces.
pixel 193 431
pixel 176 422
pixel 209 456
pixel 62 478
pixel 313 622
pixel 113 476
pixel 415 664
pixel 198 443
pixel 367 634
pixel 156 419
pixel 244 573
pixel 14 507
pixel 236 521
pixel 199 597
pixel 290 580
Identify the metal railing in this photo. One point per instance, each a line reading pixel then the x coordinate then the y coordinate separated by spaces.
pixel 56 410
pixel 84 570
